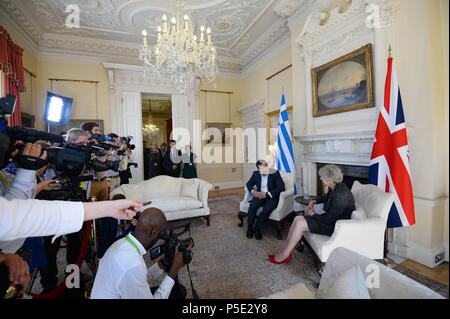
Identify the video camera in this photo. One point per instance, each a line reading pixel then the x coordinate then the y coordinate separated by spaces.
pixel 127 141
pixel 9 135
pixel 167 249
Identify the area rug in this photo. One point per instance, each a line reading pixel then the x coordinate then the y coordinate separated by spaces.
pixel 436 286
pixel 228 265
pixel 225 204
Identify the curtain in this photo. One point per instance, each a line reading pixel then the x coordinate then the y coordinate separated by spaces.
pixel 12 67
pixel 169 131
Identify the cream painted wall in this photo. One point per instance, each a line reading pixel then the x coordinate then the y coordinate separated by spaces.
pixel 255 87
pixel 425 99
pixel 34 99
pixel 420 51
pixel 221 173
pixel 74 71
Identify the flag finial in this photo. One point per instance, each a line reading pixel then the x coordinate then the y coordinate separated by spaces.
pixel 390 51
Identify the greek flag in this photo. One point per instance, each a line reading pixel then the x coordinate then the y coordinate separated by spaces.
pixel 284 160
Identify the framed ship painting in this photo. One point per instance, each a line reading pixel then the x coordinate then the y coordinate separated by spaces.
pixel 345 84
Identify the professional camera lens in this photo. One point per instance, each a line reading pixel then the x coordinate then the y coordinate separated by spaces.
pixel 66 161
pixel 104 166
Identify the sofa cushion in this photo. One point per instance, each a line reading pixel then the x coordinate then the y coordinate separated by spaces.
pixel 189 188
pixel 349 285
pixel 174 204
pixel 157 187
pixel 316 241
pixel 299 291
pixel 373 199
pixel 359 212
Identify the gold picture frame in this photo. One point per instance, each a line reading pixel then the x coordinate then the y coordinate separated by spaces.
pixel 274 116
pixel 334 87
pixel 222 128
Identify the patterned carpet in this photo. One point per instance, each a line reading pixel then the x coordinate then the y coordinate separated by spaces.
pixel 228 265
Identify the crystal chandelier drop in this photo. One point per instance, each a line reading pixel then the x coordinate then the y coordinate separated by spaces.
pixel 179 57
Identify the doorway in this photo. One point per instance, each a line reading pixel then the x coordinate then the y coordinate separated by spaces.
pixel 156 124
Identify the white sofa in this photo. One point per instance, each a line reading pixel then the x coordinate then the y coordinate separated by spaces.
pixel 363 233
pixel 285 205
pixel 178 198
pixel 392 284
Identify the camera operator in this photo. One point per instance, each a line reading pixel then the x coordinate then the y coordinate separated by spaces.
pixel 99 187
pixel 125 171
pixel 49 273
pixel 90 127
pixel 112 176
pixel 22 185
pixel 122 273
pixel 30 218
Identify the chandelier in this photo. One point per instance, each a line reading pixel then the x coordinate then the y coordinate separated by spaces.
pixel 150 129
pixel 179 57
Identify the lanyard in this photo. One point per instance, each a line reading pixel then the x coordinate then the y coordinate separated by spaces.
pixel 133 244
pixel 3 178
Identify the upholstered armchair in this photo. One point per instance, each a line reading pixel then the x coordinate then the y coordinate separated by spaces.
pixel 284 208
pixel 364 233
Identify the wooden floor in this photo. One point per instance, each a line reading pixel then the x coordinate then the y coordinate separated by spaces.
pixel 440 273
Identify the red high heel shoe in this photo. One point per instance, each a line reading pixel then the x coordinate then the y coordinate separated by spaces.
pixel 271 256
pixel 272 260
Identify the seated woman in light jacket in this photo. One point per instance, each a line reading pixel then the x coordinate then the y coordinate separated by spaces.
pixel 338 204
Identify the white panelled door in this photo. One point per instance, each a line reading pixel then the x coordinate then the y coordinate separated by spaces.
pixel 132 125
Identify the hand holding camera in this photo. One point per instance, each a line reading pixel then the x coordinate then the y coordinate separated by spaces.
pixel 18 270
pixel 32 157
pixel 179 260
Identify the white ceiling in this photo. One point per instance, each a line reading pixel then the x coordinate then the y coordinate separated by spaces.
pixel 113 27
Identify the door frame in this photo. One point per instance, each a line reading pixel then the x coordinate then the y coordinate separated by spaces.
pixel 131 78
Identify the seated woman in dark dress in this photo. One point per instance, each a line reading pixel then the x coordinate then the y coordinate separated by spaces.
pixel 338 204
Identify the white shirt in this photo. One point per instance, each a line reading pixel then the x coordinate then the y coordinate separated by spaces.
pixel 264 188
pixel 264 179
pixel 19 186
pixel 22 185
pixel 33 218
pixel 122 274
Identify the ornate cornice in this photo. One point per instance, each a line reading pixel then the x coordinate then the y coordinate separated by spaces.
pixel 272 35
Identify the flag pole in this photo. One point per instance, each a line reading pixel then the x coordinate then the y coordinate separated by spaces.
pixel 388 261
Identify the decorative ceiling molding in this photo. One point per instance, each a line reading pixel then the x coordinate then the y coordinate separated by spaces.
pixel 105 37
pixel 277 31
pixel 276 48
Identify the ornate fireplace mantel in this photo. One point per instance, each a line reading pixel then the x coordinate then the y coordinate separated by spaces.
pixel 343 148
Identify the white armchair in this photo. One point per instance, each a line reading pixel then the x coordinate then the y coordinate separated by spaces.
pixel 364 233
pixel 284 208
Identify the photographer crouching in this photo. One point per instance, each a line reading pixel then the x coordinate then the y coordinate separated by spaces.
pixel 122 273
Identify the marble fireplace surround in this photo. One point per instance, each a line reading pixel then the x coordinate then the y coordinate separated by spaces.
pixel 342 148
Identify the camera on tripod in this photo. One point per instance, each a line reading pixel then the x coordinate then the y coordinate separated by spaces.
pixel 167 249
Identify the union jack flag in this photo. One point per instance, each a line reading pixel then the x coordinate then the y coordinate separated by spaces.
pixel 389 163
